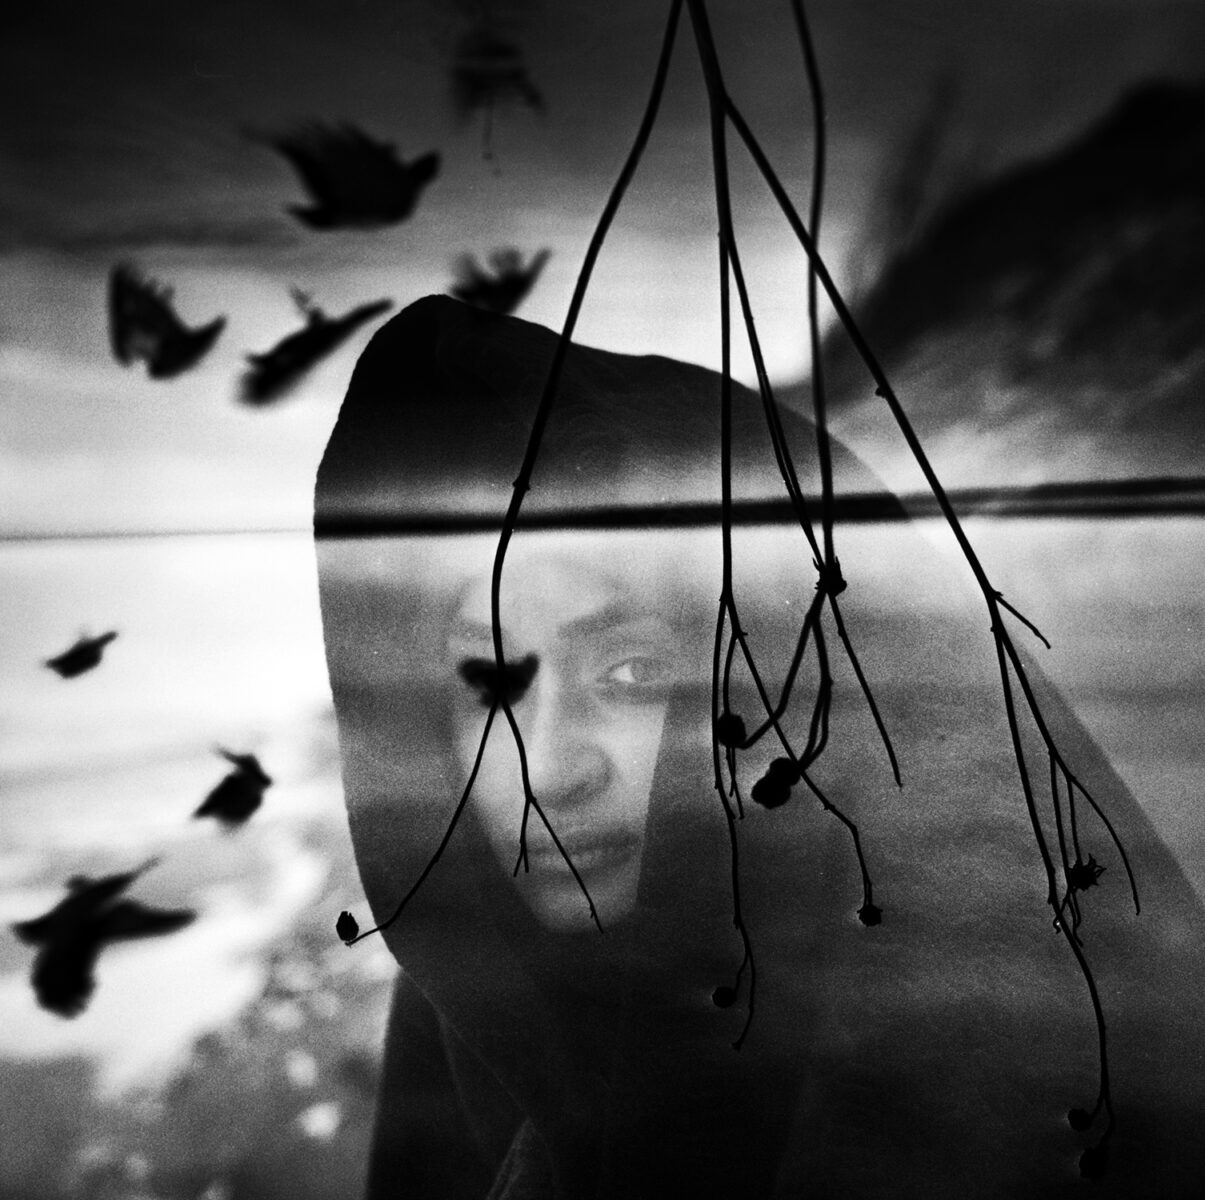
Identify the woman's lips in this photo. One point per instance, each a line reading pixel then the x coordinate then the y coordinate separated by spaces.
pixel 591 853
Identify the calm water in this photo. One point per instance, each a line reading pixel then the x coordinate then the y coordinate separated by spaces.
pixel 220 644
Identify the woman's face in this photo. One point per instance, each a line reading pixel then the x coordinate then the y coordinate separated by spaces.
pixel 591 720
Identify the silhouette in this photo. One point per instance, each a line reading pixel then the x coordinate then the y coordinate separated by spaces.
pixel 482 675
pixel 274 372
pixel 773 789
pixel 83 656
pixel 143 325
pixel 347 927
pixel 504 286
pixel 239 794
pixel 926 1042
pixel 488 69
pixel 71 936
pixel 355 181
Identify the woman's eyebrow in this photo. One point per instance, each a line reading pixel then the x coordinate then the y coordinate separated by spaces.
pixel 616 614
pixel 465 630
pixel 613 615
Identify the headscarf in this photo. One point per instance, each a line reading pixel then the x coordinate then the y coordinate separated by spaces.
pixel 934 1054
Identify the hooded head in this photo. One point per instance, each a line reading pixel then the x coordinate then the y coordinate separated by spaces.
pixel 932 1052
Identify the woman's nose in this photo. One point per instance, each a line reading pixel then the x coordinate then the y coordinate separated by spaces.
pixel 567 762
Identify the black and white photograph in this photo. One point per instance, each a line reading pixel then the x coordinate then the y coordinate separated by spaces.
pixel 602 600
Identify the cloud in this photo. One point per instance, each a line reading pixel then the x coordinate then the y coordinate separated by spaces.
pixel 97 237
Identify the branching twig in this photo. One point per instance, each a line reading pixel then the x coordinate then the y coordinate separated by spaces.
pixel 447 837
pixel 722 112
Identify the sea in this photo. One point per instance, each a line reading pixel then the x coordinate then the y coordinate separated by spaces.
pixel 220 646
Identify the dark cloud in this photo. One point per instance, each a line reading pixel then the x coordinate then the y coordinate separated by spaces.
pixel 109 238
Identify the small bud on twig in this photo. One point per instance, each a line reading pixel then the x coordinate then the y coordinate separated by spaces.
pixel 1083 875
pixel 730 730
pixel 870 914
pixel 347 927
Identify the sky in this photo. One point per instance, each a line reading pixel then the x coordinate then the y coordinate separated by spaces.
pixel 130 143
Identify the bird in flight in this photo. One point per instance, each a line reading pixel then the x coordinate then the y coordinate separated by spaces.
pixel 83 656
pixel 239 794
pixel 70 937
pixel 482 675
pixel 504 285
pixel 144 326
pixel 487 70
pixel 274 372
pixel 354 181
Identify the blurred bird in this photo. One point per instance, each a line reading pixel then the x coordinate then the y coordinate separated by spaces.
pixel 143 325
pixel 504 286
pixel 481 674
pixel 239 794
pixel 71 936
pixel 274 372
pixel 83 656
pixel 355 181
pixel 487 69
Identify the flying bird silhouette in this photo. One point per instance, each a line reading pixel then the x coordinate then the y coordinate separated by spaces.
pixel 71 936
pixel 481 674
pixel 274 372
pixel 83 656
pixel 488 70
pixel 354 181
pixel 504 286
pixel 239 794
pixel 144 325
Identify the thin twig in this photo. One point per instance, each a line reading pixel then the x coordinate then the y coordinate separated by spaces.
pixel 522 482
pixel 447 837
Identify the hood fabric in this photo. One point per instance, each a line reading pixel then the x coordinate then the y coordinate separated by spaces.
pixel 933 1055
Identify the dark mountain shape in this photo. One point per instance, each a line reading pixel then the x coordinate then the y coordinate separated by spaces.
pixel 1066 297
pixel 488 70
pixel 143 325
pixel 272 374
pixel 504 285
pixel 355 182
pixel 239 794
pixel 83 656
pixel 71 936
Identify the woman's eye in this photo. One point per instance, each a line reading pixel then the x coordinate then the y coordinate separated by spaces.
pixel 637 672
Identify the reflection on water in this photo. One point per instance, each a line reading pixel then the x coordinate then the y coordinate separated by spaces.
pixel 244 1048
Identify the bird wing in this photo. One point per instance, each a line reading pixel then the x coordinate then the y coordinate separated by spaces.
pixel 355 317
pixel 176 355
pixel 75 661
pixel 482 674
pixel 130 919
pixel 273 373
pixel 423 169
pixel 78 910
pixel 216 801
pixel 35 931
pixel 141 318
pixel 342 168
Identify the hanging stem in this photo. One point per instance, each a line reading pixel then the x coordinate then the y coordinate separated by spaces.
pixel 447 837
pixel 728 612
pixel 522 482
